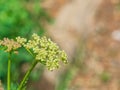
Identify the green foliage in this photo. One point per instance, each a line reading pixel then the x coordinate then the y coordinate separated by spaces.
pixel 3 62
pixel 105 77
pixel 16 19
pixel 19 18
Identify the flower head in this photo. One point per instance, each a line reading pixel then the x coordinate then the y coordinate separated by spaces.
pixel 10 44
pixel 45 51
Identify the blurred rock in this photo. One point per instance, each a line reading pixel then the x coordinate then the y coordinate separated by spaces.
pixel 53 6
pixel 96 22
pixel 75 20
pixel 116 35
pixel 115 1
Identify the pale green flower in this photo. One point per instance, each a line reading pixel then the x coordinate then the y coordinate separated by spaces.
pixel 63 56
pixel 21 40
pixel 45 51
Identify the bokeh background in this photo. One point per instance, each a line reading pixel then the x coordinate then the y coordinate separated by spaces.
pixel 88 30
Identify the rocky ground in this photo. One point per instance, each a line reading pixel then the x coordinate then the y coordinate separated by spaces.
pixel 102 43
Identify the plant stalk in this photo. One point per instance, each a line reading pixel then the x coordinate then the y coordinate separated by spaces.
pixel 8 73
pixel 24 81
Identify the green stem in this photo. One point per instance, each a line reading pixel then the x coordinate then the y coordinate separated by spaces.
pixel 29 52
pixel 24 81
pixel 8 73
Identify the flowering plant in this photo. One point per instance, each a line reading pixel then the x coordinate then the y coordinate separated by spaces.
pixel 43 50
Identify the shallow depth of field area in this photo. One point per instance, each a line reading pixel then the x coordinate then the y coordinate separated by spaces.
pixel 87 30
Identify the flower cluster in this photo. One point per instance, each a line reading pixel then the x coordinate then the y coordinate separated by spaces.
pixel 10 44
pixel 45 51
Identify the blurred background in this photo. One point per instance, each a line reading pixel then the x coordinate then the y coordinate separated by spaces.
pixel 88 30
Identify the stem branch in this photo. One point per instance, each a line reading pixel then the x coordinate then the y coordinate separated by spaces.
pixel 8 73
pixel 24 81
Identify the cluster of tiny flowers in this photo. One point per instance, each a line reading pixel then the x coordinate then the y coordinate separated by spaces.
pixel 46 51
pixel 21 40
pixel 10 44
